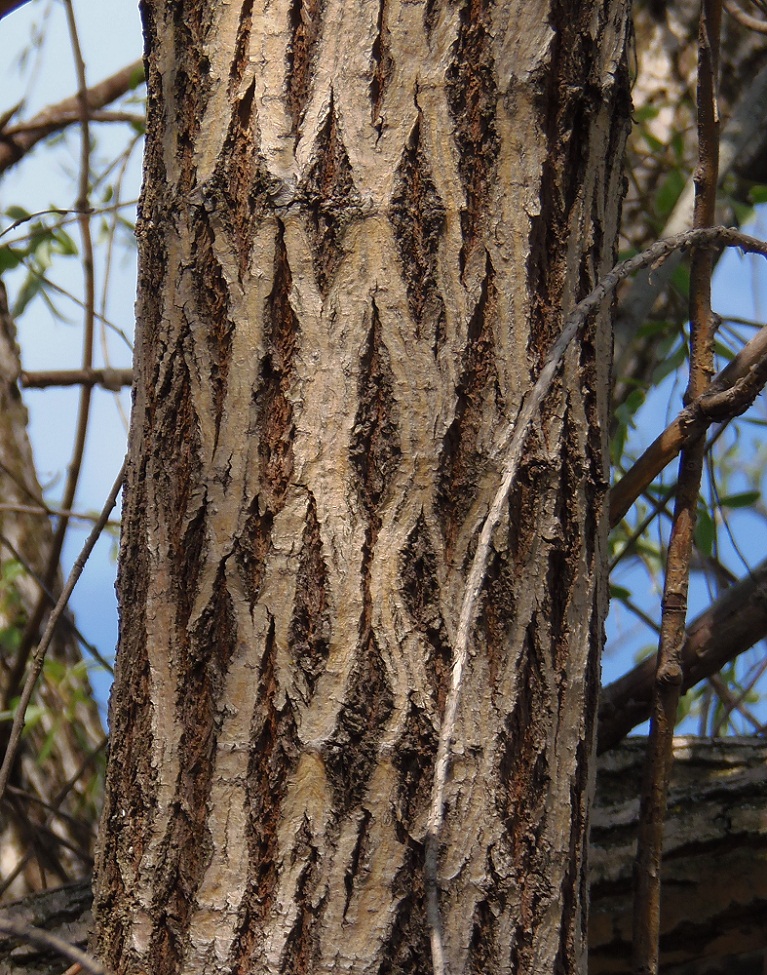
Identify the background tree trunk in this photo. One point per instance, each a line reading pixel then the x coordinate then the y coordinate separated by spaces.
pixel 360 229
pixel 714 893
pixel 49 813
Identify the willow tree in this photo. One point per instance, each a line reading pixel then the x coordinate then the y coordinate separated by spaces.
pixel 361 227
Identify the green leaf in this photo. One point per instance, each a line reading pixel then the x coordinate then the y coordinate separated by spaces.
pixel 680 279
pixel 17 213
pixel 655 144
pixel 645 113
pixel 9 259
pixel 724 351
pixel 705 532
pixel 137 77
pixel 30 289
pixel 64 243
pixel 626 411
pixel 619 592
pixel 669 192
pixel 47 746
pixel 745 499
pixel 758 194
pixel 670 364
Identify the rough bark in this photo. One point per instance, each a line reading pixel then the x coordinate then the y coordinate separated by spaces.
pixel 715 868
pixel 360 229
pixel 48 816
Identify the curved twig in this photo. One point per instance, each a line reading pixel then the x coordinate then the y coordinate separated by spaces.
pixel 44 939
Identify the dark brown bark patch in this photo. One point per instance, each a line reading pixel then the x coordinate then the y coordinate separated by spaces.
pixel 462 455
pixel 408 948
pixel 273 756
pixel 360 855
pixel 375 448
pixel 414 762
pixel 124 831
pixel 483 947
pixel 302 948
pixel 212 298
pixel 564 555
pixel 251 549
pixel 306 26
pixel 176 470
pixel 191 86
pixel 331 200
pixel 523 774
pixel 310 625
pixel 241 57
pixel 351 752
pixel 274 412
pixel 421 591
pixel 238 191
pixel 211 643
pixel 418 217
pixel 498 610
pixel 570 100
pixel 430 15
pixel 381 67
pixel 473 95
pixel 190 555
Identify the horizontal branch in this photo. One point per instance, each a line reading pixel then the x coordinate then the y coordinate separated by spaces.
pixel 112 379
pixel 714 870
pixel 40 938
pixel 15 142
pixel 730 393
pixel 730 626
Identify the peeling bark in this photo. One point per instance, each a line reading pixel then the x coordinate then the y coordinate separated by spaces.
pixel 360 229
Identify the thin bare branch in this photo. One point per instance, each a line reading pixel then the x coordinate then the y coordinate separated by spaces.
pixel 39 655
pixel 745 128
pixel 730 626
pixel 56 117
pixel 744 19
pixel 44 939
pixel 82 207
pixel 729 394
pixel 668 676
pixel 112 379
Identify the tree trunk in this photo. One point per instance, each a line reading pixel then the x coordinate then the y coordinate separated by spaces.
pixel 360 229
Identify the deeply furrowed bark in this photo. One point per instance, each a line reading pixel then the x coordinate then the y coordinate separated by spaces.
pixel 360 230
